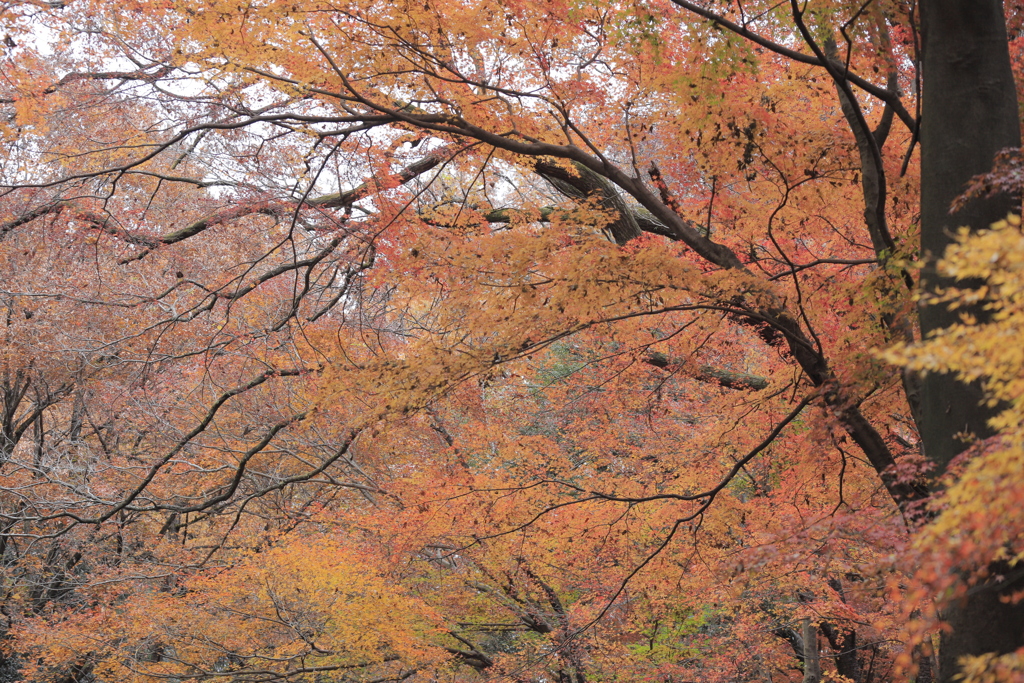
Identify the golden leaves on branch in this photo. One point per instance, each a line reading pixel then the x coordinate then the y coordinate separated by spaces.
pixel 977 527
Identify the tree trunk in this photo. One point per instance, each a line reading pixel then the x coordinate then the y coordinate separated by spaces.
pixel 969 113
pixel 812 663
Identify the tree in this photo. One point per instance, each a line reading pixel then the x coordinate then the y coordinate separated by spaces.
pixel 971 112
pixel 496 303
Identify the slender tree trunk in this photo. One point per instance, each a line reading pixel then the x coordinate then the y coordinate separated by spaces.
pixel 969 113
pixel 812 662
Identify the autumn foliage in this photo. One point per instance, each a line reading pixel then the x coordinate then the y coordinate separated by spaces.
pixel 459 340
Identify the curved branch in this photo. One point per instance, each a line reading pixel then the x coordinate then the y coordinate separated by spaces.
pixel 889 97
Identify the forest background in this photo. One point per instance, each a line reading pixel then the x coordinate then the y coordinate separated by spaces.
pixel 511 340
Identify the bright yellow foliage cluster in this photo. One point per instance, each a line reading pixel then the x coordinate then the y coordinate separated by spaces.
pixel 310 605
pixel 981 520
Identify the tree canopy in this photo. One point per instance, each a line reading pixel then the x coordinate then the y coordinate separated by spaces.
pixel 511 340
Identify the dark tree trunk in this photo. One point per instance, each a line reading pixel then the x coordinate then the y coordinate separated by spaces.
pixel 969 113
